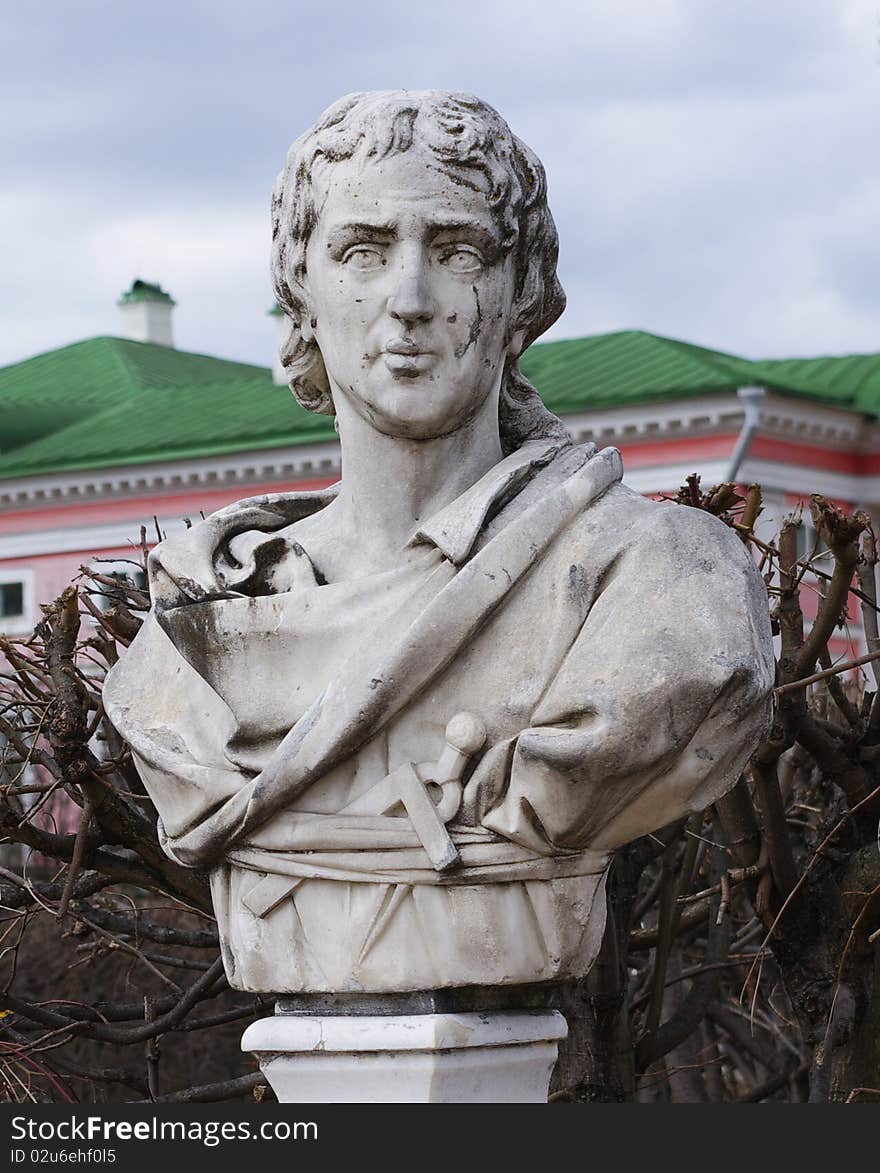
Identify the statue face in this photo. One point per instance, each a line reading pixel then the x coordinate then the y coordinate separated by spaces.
pixel 410 293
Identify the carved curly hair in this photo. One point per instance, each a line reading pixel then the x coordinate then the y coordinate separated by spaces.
pixel 463 133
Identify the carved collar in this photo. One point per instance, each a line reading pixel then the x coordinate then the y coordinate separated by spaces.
pixel 455 528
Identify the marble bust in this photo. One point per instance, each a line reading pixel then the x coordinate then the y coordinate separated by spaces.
pixel 406 720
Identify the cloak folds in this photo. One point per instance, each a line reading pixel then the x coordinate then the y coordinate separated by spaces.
pixel 617 651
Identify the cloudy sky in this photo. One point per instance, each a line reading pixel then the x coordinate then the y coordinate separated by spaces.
pixel 714 165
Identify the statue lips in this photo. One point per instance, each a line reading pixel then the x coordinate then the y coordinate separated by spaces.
pixel 406 359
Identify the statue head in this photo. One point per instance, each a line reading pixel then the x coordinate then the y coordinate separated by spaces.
pixel 467 144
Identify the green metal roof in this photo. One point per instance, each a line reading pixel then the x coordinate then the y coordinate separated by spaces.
pixel 43 395
pixel 109 401
pixel 851 381
pixel 630 366
pixel 176 423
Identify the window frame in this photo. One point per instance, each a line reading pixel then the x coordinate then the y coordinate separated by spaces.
pixel 19 624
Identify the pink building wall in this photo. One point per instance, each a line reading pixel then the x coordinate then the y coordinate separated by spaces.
pixel 52 572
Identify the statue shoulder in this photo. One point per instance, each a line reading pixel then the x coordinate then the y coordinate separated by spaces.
pixel 193 564
pixel 662 545
pixel 642 521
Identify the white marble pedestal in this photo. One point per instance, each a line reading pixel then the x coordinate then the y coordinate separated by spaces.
pixel 492 1057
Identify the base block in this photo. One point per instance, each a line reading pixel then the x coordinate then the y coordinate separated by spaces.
pixel 486 1058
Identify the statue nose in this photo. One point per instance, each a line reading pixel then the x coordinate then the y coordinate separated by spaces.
pixel 411 300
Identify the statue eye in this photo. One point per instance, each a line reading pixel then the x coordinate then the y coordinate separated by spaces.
pixel 364 258
pixel 462 259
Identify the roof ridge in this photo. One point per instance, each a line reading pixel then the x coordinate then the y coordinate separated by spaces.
pixel 48 353
pixel 691 348
pixel 708 353
pixel 148 363
pixel 112 345
pixel 116 342
pixel 157 347
pixel 818 357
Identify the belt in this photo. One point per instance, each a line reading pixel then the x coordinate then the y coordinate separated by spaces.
pixel 429 793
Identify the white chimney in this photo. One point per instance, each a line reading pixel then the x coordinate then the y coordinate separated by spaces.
pixel 279 375
pixel 145 311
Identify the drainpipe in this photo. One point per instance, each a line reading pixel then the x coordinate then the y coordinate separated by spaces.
pixel 751 398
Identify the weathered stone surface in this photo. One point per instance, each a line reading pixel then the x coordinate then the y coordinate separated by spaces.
pixel 405 720
pixel 410 1059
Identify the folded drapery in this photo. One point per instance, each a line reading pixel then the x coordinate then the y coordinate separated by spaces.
pixel 617 651
pixel 377 681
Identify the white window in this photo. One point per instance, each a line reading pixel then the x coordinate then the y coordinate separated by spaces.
pixel 16 600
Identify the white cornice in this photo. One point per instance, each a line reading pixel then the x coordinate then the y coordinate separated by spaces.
pixel 802 421
pixel 87 540
pixel 668 478
pixel 773 476
pixel 696 416
pixel 802 480
pixel 214 472
pixel 781 417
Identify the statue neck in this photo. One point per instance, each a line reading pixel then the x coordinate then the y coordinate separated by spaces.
pixel 391 485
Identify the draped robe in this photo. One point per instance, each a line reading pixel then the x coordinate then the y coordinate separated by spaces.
pixel 616 649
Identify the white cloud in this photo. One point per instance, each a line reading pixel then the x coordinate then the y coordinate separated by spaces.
pixel 195 253
pixel 713 167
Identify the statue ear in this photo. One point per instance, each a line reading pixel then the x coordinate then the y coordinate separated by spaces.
pixel 308 321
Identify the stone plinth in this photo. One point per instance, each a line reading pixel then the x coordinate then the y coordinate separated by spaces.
pixel 490 1057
